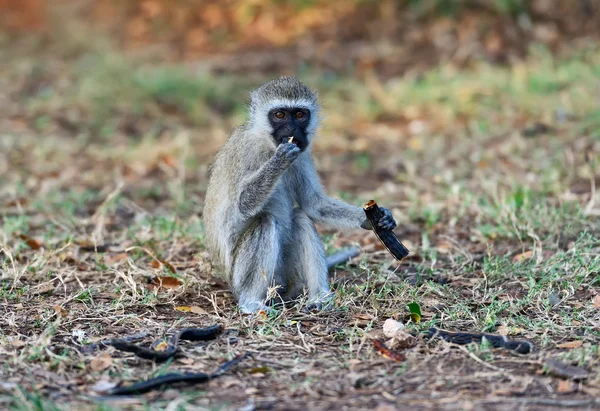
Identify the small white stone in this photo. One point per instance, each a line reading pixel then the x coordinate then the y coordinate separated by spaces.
pixel 391 326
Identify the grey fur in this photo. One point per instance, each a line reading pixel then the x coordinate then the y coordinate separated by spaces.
pixel 262 203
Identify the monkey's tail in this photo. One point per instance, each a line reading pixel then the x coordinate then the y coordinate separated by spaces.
pixel 342 256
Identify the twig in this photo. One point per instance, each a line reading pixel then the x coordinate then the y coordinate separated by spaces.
pixel 546 401
pixel 480 361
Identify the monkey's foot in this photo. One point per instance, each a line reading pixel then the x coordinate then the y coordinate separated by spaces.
pixel 253 307
pixel 324 303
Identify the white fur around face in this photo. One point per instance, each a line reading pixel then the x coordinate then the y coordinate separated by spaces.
pixel 259 115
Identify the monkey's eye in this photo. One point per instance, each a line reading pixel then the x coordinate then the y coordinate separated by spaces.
pixel 299 114
pixel 279 114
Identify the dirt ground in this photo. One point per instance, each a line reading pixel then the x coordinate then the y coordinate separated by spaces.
pixel 492 174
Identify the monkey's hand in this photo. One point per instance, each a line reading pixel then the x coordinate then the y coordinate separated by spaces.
pixel 386 221
pixel 286 153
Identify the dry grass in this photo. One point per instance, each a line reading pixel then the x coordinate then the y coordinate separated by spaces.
pixel 492 176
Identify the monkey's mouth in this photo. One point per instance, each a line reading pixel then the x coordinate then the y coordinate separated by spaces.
pixel 293 140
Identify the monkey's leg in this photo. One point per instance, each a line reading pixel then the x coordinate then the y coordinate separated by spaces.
pixel 307 256
pixel 256 258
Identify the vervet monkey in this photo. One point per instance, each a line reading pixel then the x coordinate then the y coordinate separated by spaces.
pixel 264 197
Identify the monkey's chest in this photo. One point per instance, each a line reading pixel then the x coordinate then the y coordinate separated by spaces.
pixel 281 205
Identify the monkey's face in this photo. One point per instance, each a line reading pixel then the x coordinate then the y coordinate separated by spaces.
pixel 290 122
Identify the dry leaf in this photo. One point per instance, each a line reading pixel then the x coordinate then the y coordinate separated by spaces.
pixel 60 311
pixel 161 346
pixel 522 257
pixel 261 315
pixel 198 310
pixel 67 258
pixel 566 386
pixel 571 344
pixel 101 362
pixel 115 259
pixel 16 343
pixel 169 160
pixel 375 334
pixel 191 309
pixel 31 242
pixel 596 301
pixel 444 247
pixel 502 330
pixel 382 349
pixel 165 282
pixel 43 289
pixel 160 263
pixel 259 370
pixel 20 202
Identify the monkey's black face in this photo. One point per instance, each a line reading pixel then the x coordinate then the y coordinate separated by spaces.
pixel 290 122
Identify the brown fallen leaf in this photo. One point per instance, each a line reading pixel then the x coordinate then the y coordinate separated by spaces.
pixel 198 310
pixel 571 344
pixel 522 257
pixel 165 282
pixel 67 258
pixel 502 330
pixel 444 247
pixel 191 309
pixel 169 160
pixel 261 315
pixel 385 352
pixel 16 343
pixel 566 387
pixel 101 362
pixel 60 311
pixel 596 301
pixel 31 242
pixel 159 263
pixel 20 202
pixel 113 260
pixel 375 334
pixel 42 289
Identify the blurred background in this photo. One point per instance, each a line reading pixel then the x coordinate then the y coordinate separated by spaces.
pixel 423 99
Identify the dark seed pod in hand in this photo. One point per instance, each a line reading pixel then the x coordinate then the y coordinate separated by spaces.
pixel 387 237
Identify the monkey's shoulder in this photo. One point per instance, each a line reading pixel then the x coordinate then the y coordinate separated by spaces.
pixel 240 154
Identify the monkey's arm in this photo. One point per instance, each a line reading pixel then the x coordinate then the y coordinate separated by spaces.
pixel 326 210
pixel 256 188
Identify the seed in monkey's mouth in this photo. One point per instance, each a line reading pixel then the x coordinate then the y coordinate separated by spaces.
pixel 292 140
